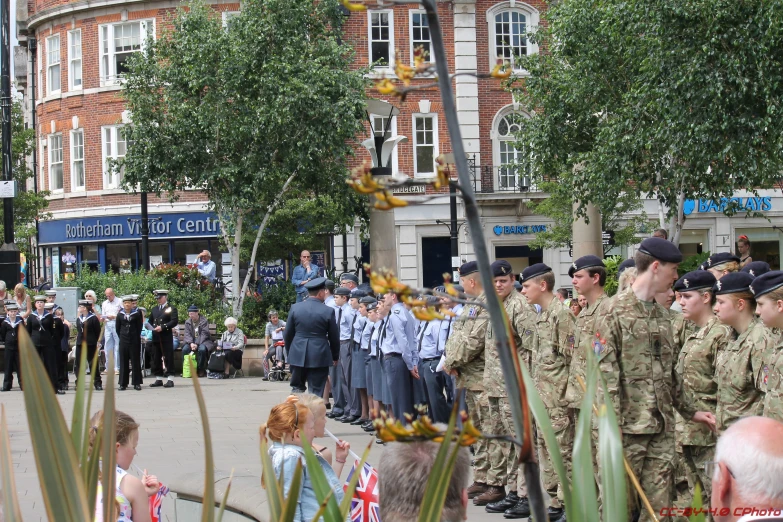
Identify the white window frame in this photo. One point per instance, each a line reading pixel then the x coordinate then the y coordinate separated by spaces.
pixel 532 18
pixel 390 13
pixel 392 134
pixel 50 152
pixel 227 16
pixel 49 66
pixel 73 59
pixel 107 53
pixel 111 180
pixel 423 13
pixel 75 187
pixel 434 117
pixel 39 50
pixel 497 138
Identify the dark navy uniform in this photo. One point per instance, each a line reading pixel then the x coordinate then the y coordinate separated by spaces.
pixel 129 330
pixel 41 328
pixel 9 333
pixel 88 332
pixel 165 316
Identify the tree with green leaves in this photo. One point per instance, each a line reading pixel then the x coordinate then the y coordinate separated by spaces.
pixel 29 205
pixel 666 99
pixel 259 112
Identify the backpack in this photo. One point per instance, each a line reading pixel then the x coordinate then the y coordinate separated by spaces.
pixel 217 361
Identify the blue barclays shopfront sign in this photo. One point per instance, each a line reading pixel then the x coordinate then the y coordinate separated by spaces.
pixel 128 228
pixel 499 230
pixel 753 204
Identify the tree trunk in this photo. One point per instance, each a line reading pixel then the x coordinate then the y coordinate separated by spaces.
pixel 678 220
pixel 241 298
pixel 236 305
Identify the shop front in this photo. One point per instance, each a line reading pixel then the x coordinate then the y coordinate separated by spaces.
pixel 113 243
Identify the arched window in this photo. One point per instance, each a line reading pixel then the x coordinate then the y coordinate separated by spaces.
pixel 510 172
pixel 509 24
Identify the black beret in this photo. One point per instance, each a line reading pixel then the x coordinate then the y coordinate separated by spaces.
pixel 661 250
pixel 358 293
pixel 317 284
pixel 192 308
pixel 756 268
pixel 349 277
pixel 628 263
pixel 501 267
pixel 584 262
pixel 459 288
pixel 367 300
pixel 471 267
pixel 733 283
pixel 766 283
pixel 328 283
pixel 341 290
pixel 534 271
pixel 721 258
pixel 432 300
pixel 696 280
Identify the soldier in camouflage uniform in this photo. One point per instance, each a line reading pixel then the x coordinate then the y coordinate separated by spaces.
pixel 768 289
pixel 741 371
pixel 504 459
pixel 695 379
pixel 635 350
pixel 464 358
pixel 555 341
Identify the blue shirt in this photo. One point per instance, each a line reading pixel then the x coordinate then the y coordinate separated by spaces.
pixel 346 319
pixel 207 270
pixel 366 335
pixel 300 275
pixel 358 326
pixel 397 339
pixel 375 337
pixel 428 339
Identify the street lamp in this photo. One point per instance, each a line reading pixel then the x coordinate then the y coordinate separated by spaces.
pixel 383 242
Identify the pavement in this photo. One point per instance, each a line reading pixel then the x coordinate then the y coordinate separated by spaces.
pixel 171 438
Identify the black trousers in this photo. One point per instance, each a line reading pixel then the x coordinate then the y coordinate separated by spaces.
pixel 62 369
pixel 163 350
pixel 95 369
pixel 49 359
pixel 11 358
pixel 130 355
pixel 309 379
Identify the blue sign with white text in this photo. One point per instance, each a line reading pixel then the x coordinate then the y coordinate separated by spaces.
pixel 753 204
pixel 518 229
pixel 128 228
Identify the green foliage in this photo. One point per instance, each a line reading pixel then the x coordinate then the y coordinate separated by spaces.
pixel 611 263
pixel 692 263
pixel 255 309
pixel 662 98
pixel 28 206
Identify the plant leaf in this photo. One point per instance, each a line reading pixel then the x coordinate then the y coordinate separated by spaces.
pixel 225 497
pixel 583 478
pixel 80 417
pixel 208 499
pixel 612 468
pixel 11 509
pixel 90 388
pixel 698 513
pixel 269 481
pixel 64 494
pixel 289 511
pixel 438 482
pixel 320 482
pixel 545 427
pixel 108 445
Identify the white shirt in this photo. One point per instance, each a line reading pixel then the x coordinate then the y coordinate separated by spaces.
pixel 111 307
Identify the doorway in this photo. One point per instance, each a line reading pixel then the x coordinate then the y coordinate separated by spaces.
pixel 519 257
pixel 435 260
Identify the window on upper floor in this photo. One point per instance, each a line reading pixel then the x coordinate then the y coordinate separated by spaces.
pixel 53 65
pixel 77 160
pixel 228 16
pixel 420 35
pixel 118 42
pixel 381 26
pixel 509 27
pixel 511 171
pixel 425 144
pixel 75 59
pixel 114 147
pixel 55 162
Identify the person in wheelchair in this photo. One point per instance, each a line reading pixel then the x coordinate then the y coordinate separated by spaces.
pixel 274 346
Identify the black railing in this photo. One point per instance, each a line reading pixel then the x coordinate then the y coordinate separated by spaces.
pixel 489 179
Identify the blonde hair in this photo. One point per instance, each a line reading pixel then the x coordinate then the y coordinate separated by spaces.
pixel 775 295
pixel 20 289
pixel 746 296
pixel 309 400
pixel 124 424
pixel 627 278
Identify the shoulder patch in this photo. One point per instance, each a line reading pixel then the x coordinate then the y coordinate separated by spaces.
pixel 396 311
pixel 598 345
pixel 473 312
pixel 571 341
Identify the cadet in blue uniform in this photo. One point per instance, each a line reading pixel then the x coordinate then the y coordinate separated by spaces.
pixel 163 320
pixel 129 324
pixel 429 349
pixel 358 374
pixel 399 360
pixel 9 333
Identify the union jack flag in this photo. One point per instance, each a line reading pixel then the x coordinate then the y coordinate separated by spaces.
pixel 364 505
pixel 156 502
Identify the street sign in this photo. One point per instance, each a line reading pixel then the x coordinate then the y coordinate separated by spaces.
pixel 607 237
pixel 7 189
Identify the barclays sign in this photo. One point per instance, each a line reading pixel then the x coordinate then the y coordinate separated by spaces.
pixel 753 204
pixel 500 230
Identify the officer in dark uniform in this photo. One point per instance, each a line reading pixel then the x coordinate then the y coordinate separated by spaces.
pixel 88 331
pixel 60 358
pixel 40 324
pixel 163 320
pixel 9 334
pixel 129 324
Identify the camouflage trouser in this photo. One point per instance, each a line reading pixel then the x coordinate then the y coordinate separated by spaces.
pixel 682 497
pixel 478 409
pixel 651 458
pixel 564 432
pixel 503 459
pixel 695 457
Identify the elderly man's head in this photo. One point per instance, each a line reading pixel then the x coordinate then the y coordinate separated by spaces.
pixel 109 294
pixel 402 480
pixel 748 470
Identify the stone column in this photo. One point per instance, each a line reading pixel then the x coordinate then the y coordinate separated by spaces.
pixel 586 237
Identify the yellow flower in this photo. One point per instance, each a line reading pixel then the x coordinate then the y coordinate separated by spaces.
pixel 352 6
pixel 386 86
pixel 501 70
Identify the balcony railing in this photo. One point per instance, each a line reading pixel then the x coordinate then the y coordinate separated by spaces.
pixel 488 179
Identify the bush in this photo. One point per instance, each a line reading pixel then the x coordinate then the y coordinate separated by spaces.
pixel 611 264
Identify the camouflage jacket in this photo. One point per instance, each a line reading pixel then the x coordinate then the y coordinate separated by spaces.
pixel 585 334
pixel 555 342
pixel 635 350
pixel 465 346
pixel 773 372
pixel 695 386
pixel 516 309
pixel 740 375
pixel 682 329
